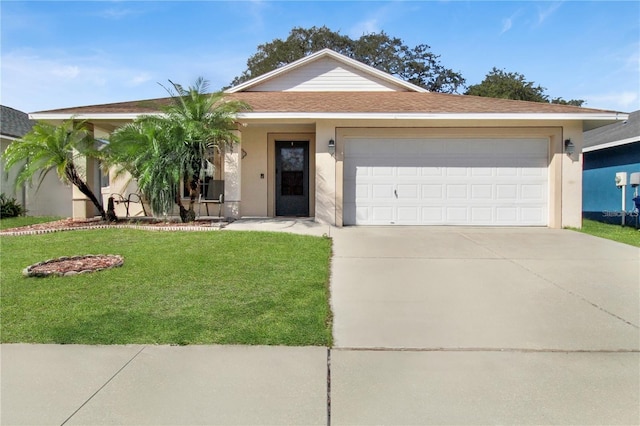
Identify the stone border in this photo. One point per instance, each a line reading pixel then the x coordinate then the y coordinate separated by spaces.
pixel 106 226
pixel 117 262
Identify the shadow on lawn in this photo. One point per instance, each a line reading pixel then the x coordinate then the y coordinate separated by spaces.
pixel 119 327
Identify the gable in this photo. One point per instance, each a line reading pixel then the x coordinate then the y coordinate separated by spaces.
pixel 326 75
pixel 326 71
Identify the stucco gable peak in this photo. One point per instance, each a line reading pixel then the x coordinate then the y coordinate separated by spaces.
pixel 319 55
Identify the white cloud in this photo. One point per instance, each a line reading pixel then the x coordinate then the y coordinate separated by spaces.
pixel 139 79
pixel 53 79
pixel 543 14
pixel 626 100
pixel 506 25
pixel 67 72
pixel 117 13
pixel 365 27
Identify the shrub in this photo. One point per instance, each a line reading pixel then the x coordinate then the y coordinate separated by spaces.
pixel 9 207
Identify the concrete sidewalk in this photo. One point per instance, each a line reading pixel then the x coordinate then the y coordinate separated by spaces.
pixel 258 385
pixel 162 385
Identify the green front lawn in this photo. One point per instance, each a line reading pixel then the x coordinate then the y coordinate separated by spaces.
pixel 174 288
pixel 627 234
pixel 15 222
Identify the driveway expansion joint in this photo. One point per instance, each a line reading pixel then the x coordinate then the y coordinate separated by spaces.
pixel 542 277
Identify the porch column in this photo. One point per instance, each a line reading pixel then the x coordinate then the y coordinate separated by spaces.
pixel 232 180
pixel 325 163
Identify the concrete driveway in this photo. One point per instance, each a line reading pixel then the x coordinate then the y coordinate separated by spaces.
pixel 484 326
pixel 478 288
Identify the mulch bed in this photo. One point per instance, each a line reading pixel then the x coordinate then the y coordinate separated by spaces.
pixel 67 266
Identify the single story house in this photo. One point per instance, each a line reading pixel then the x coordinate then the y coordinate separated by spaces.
pixel 608 150
pixel 331 138
pixel 52 198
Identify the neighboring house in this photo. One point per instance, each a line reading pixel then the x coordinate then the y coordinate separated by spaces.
pixel 53 198
pixel 334 139
pixel 608 150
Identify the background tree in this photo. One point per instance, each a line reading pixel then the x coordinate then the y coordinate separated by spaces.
pixel 417 65
pixel 161 151
pixel 47 147
pixel 511 85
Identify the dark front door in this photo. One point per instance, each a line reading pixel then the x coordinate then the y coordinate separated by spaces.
pixel 292 178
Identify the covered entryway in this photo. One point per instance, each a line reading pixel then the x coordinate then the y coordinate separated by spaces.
pixel 440 181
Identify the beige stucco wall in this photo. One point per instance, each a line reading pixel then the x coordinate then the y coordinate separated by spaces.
pixel 565 173
pixel 249 171
pixel 51 198
pixel 572 177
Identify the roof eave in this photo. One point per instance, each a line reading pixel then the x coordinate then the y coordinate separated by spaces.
pixel 585 117
pixel 611 144
pixel 88 116
pixel 608 117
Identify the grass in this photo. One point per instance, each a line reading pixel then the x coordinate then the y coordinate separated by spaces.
pixel 628 234
pixel 174 288
pixel 14 222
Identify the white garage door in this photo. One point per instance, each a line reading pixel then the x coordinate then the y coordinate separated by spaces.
pixel 493 182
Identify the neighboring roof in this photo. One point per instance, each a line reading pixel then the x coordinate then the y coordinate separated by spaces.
pixel 14 123
pixel 614 134
pixel 322 54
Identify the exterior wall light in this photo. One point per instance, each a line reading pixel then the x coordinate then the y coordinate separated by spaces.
pixel 569 147
pixel 331 147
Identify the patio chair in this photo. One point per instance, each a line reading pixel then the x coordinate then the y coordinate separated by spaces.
pixel 213 195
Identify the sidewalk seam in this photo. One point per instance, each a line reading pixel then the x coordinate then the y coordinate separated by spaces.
pixel 506 350
pixel 103 386
pixel 328 386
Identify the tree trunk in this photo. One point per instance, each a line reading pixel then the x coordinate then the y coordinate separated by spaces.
pixel 184 213
pixel 73 176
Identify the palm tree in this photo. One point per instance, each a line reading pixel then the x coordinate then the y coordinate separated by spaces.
pixel 159 151
pixel 47 147
pixel 145 151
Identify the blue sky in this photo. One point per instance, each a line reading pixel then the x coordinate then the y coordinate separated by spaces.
pixel 57 54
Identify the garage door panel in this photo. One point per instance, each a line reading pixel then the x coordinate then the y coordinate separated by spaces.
pixel 382 192
pixel 506 215
pixel 408 191
pixel 531 214
pixel 446 182
pixel 482 192
pixel 507 192
pixel 457 215
pixel 532 192
pixel 457 191
pixel 409 215
pixel 431 214
pixel 481 215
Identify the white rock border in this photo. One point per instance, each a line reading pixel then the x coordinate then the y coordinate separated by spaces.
pixel 29 270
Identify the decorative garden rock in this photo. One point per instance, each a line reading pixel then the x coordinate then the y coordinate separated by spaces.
pixel 67 266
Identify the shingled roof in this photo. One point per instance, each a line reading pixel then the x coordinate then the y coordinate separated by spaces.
pixel 628 129
pixel 350 102
pixel 14 123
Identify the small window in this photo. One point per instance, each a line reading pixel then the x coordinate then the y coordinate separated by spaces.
pixel 104 177
pixel 212 171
